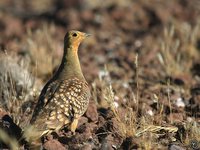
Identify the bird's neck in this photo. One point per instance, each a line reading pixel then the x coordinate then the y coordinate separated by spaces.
pixel 70 65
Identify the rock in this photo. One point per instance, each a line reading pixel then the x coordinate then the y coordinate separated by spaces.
pixel 82 121
pixel 196 69
pixel 175 147
pixel 193 107
pixel 86 147
pixel 87 128
pixel 53 145
pixel 2 113
pixel 129 144
pixel 91 112
pixel 175 117
pixel 107 143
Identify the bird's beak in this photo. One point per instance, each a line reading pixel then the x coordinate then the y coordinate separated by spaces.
pixel 86 34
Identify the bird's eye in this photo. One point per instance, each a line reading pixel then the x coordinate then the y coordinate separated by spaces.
pixel 74 34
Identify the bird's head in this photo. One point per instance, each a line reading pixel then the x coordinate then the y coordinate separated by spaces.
pixel 74 38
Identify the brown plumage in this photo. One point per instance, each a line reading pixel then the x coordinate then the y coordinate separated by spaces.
pixel 65 97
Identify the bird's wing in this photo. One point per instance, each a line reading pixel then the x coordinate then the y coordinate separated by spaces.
pixel 72 94
pixel 45 97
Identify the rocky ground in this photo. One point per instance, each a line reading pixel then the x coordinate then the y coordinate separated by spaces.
pixel 142 63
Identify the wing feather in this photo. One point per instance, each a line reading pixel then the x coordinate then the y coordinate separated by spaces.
pixel 45 97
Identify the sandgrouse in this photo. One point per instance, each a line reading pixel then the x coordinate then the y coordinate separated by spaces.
pixel 65 97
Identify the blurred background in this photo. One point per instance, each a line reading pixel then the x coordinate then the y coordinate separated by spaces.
pixel 120 29
pixel 148 50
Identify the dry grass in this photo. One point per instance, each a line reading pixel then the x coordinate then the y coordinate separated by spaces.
pixel 176 55
pixel 17 87
pixel 178 48
pixel 9 141
pixel 43 54
pixel 129 124
pixel 192 132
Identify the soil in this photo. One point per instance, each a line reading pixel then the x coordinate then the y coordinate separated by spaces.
pixel 142 63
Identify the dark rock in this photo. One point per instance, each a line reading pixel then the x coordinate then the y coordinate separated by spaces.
pixel 91 112
pixel 196 69
pixel 129 144
pixel 86 147
pixel 106 144
pixel 53 145
pixel 175 147
pixel 175 117
pixel 82 121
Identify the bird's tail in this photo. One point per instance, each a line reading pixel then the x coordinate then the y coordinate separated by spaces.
pixel 32 136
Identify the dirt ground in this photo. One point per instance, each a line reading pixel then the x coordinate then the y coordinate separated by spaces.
pixel 142 63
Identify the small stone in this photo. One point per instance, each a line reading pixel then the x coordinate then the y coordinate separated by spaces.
pixel 150 112
pixel 115 104
pixel 2 113
pixel 82 121
pixel 53 145
pixel 86 147
pixel 179 102
pixel 175 117
pixel 106 143
pixel 91 112
pixel 175 147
